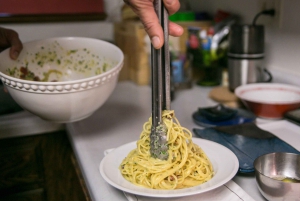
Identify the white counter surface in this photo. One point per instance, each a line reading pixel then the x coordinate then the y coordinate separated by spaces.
pixel 120 121
pixel 24 123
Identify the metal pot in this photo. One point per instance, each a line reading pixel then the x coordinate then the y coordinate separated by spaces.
pixel 246 55
pixel 244 71
pixel 246 39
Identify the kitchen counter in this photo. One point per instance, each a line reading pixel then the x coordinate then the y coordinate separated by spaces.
pixel 23 123
pixel 120 121
pixel 16 122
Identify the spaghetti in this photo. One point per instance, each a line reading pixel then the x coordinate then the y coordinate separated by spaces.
pixel 187 164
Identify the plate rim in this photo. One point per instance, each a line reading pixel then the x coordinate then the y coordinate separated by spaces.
pixel 178 193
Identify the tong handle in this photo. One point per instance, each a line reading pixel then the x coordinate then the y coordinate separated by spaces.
pixel 160 65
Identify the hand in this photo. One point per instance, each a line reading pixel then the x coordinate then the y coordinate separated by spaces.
pixel 145 10
pixel 10 38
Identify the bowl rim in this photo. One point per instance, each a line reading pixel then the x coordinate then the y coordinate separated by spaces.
pixel 239 91
pixel 70 82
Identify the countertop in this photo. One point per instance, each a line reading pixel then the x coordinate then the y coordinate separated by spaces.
pixel 16 122
pixel 120 121
pixel 23 123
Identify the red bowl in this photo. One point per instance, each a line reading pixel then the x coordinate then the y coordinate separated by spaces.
pixel 269 100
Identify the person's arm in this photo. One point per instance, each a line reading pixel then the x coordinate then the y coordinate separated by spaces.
pixel 145 10
pixel 10 38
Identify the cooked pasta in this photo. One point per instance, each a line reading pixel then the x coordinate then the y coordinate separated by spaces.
pixel 187 164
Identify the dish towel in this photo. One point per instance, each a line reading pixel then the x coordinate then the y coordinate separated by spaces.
pixel 227 192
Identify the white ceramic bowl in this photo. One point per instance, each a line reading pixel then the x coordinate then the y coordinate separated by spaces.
pixel 77 76
pixel 269 100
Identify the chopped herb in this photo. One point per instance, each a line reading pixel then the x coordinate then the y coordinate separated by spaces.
pixel 73 51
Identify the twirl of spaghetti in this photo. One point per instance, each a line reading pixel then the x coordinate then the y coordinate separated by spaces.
pixel 186 166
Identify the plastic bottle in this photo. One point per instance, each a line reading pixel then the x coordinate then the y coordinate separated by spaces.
pixel 209 71
pixel 205 42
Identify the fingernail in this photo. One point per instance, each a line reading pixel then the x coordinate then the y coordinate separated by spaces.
pixel 15 54
pixel 155 42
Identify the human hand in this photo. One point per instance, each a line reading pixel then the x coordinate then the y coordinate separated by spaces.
pixel 146 12
pixel 10 38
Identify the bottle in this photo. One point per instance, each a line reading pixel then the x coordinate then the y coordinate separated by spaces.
pixel 194 54
pixel 210 73
pixel 205 42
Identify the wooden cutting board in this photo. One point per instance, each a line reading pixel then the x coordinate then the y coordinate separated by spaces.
pixel 223 95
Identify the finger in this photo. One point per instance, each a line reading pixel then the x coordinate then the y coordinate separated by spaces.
pixel 153 29
pixel 15 43
pixel 175 29
pixel 172 6
pixel 145 11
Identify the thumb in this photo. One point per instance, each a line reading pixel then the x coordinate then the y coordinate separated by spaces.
pixel 15 43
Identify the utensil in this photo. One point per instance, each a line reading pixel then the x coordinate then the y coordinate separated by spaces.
pixel 269 100
pixel 161 93
pixel 278 176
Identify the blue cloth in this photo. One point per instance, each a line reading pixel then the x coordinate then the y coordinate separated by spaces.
pixel 247 149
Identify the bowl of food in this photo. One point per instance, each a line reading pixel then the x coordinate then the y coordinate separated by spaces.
pixel 278 176
pixel 269 100
pixel 62 79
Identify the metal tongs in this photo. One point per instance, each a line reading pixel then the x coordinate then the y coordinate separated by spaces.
pixel 161 93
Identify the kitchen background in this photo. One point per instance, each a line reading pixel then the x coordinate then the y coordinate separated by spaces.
pixel 46 154
pixel 282 31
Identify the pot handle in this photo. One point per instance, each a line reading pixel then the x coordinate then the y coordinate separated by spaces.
pixel 270 77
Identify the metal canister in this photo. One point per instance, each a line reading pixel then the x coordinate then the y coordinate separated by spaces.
pixel 246 55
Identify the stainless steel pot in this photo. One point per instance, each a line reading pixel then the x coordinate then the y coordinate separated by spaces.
pixel 246 39
pixel 244 71
pixel 246 55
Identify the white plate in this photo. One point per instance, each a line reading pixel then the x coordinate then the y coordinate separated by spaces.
pixel 224 162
